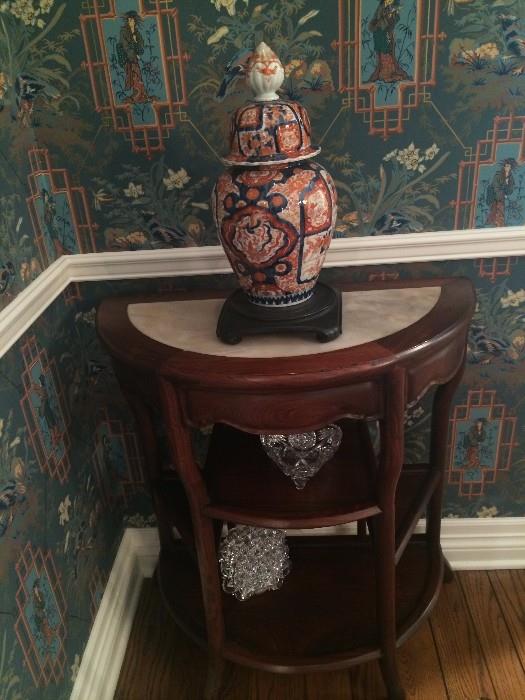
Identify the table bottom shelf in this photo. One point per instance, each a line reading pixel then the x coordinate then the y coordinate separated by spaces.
pixel 323 617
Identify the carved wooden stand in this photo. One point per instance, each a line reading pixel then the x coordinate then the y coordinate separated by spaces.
pixel 320 315
pixel 348 599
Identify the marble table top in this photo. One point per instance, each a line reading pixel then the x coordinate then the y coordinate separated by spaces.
pixel 367 316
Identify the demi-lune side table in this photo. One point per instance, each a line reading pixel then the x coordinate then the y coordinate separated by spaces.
pixel 349 597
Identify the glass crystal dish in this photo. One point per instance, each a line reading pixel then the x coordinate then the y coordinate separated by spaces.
pixel 253 560
pixel 300 456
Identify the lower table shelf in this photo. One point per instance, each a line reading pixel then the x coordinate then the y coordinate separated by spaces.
pixel 323 617
pixel 245 486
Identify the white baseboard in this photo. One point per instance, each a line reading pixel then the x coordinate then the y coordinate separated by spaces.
pixel 484 543
pixel 100 667
pixel 468 543
pixel 25 308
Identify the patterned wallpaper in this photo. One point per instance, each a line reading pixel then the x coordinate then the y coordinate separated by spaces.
pixel 111 132
pixel 109 142
pixel 70 480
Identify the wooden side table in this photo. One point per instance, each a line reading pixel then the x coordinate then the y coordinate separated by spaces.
pixel 348 599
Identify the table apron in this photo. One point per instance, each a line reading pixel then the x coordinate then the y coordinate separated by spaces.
pixel 280 411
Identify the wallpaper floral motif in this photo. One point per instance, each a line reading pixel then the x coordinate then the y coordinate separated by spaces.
pixel 111 130
pixel 110 139
pixel 62 437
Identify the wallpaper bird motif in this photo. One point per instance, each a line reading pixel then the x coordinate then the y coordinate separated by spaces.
pixel 113 118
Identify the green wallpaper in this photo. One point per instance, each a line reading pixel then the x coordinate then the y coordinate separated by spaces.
pixel 101 150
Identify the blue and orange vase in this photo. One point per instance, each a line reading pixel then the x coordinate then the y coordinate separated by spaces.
pixel 274 207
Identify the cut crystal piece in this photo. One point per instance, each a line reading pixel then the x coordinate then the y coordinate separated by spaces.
pixel 301 455
pixel 253 560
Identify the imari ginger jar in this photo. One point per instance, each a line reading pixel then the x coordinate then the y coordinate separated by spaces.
pixel 275 208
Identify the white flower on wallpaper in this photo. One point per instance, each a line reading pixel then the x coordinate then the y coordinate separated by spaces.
pixel 513 298
pixel 88 317
pixel 134 191
pixel 228 5
pixel 176 179
pixel 431 152
pixel 485 512
pixel 411 157
pixel 29 12
pixel 63 510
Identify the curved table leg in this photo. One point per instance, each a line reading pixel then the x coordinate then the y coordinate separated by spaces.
pixel 392 681
pixel 384 530
pixel 384 542
pixel 214 677
pixel 438 447
pixel 204 532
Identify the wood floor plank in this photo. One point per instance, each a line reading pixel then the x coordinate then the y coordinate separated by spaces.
pixel 419 667
pixel 239 682
pixel 163 664
pixel 257 685
pixel 509 587
pixel 279 687
pixel 245 684
pixel 461 658
pixel 366 682
pixel 508 677
pixel 328 686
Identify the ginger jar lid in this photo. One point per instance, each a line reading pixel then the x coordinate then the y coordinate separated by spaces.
pixel 268 129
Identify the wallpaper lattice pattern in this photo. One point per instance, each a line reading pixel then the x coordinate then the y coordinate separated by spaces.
pixel 111 133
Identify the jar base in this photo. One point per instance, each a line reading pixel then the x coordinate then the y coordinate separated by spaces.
pixel 320 314
pixel 281 302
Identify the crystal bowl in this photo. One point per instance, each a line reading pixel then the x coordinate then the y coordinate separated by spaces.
pixel 301 455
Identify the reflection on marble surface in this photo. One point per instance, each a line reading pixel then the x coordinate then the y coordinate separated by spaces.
pixel 367 316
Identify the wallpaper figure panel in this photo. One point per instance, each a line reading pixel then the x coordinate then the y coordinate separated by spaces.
pixel 59 211
pixel 136 68
pixel 97 586
pixel 491 183
pixel 387 58
pixel 117 461
pixel 482 439
pixel 40 627
pixel 45 411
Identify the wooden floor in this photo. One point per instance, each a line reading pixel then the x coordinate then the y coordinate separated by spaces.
pixel 472 648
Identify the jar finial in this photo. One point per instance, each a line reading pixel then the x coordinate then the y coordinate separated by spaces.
pixel 265 73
